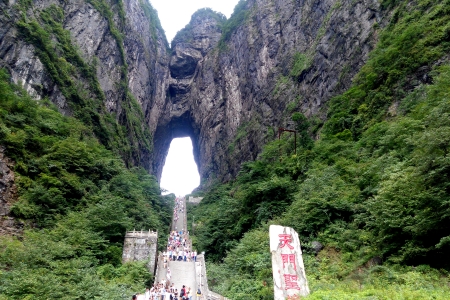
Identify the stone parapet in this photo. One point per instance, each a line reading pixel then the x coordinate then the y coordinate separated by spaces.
pixel 141 246
pixel 202 280
pixel 139 234
pixel 195 200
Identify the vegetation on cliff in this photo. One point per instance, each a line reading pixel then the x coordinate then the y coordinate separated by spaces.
pixel 374 186
pixel 237 18
pixel 77 79
pixel 185 35
pixel 78 199
pixel 155 24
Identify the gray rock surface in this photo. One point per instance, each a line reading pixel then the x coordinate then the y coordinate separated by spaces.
pixel 374 261
pixel 141 246
pixel 8 194
pixel 316 246
pixel 229 100
pixel 247 87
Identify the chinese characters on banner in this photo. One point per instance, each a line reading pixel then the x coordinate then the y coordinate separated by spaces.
pixel 287 264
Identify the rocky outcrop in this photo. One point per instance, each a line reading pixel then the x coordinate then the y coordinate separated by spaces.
pixel 179 117
pixel 18 56
pixel 128 55
pixel 8 195
pixel 229 100
pixel 122 44
pixel 227 85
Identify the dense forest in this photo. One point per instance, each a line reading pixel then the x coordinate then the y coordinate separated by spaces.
pixel 369 180
pixel 371 183
pixel 79 187
pixel 77 199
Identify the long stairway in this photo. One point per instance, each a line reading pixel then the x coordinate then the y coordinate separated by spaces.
pixel 182 273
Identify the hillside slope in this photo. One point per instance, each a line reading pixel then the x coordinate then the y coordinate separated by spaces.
pixel 234 82
pixel 372 190
pixel 91 97
pixel 74 139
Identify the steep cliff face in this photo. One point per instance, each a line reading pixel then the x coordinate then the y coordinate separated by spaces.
pixel 8 194
pixel 285 56
pixel 92 59
pixel 228 84
pixel 181 113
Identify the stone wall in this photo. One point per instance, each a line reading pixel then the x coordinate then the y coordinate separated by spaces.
pixel 141 246
pixel 202 280
pixel 195 200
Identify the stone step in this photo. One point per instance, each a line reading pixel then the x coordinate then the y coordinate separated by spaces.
pixel 183 273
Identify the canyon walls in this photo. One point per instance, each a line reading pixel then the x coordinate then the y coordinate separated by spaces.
pixel 231 92
pixel 228 84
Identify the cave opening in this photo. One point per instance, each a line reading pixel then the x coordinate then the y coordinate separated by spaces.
pixel 176 161
pixel 180 171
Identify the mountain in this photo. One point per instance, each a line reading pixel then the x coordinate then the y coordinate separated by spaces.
pixel 225 83
pixel 92 95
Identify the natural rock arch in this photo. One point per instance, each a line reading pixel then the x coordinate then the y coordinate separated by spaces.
pixel 176 127
pixel 230 98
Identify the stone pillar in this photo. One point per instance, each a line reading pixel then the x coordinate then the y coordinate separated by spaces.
pixel 141 246
pixel 289 278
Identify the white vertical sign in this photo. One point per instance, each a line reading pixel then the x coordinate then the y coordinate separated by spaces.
pixel 289 278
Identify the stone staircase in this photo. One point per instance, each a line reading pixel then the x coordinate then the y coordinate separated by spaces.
pixel 183 273
pixel 190 274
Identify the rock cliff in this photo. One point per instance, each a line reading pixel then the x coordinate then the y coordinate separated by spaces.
pixel 228 84
pixel 230 90
pixel 8 194
pixel 93 59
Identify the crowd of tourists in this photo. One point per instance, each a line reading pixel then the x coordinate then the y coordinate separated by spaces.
pixel 162 291
pixel 179 208
pixel 178 249
pixel 178 245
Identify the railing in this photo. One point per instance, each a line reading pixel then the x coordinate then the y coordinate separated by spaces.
pixel 202 280
pixel 141 233
pixel 158 260
pixel 215 296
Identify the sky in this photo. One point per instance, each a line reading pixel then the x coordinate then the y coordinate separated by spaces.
pixel 175 14
pixel 180 174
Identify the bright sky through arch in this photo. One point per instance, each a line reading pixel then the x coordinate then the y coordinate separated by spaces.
pixel 175 14
pixel 180 175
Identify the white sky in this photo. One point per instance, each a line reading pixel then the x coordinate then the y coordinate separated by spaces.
pixel 180 175
pixel 175 14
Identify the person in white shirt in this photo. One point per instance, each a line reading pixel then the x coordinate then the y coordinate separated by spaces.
pixel 140 296
pixel 163 293
pixel 168 274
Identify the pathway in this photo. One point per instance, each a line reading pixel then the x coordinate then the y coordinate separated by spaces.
pixel 182 273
